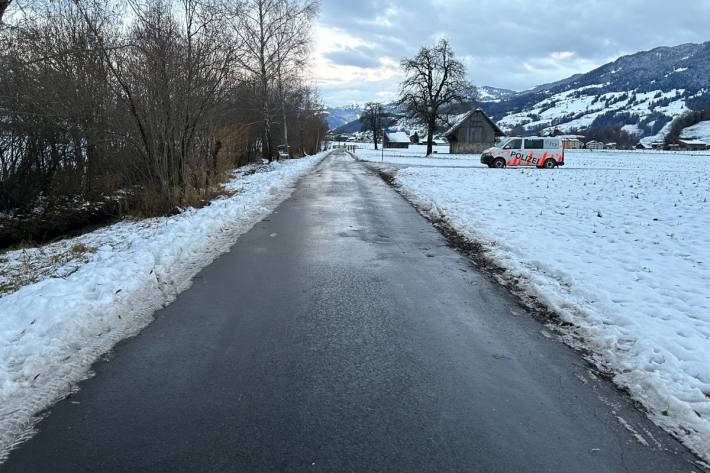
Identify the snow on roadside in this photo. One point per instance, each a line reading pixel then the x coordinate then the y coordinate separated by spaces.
pixel 415 156
pixel 435 161
pixel 52 330
pixel 618 246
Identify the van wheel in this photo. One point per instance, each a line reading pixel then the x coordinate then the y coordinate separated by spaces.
pixel 499 163
pixel 550 164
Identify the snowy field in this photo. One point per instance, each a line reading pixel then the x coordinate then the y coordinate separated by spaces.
pixel 619 245
pixel 80 296
pixel 415 156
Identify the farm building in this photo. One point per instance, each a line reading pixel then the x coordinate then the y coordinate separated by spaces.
pixel 473 133
pixel 414 139
pixel 610 146
pixel 572 143
pixel 395 139
pixel 593 145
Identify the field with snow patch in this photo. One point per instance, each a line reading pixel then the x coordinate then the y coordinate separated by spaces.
pixel 415 156
pixel 67 303
pixel 617 244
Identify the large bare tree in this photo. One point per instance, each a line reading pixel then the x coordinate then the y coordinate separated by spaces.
pixel 434 82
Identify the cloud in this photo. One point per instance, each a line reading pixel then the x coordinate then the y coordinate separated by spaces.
pixel 515 44
pixel 359 56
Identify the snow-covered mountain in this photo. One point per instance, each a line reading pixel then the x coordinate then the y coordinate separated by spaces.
pixel 339 116
pixel 493 94
pixel 641 93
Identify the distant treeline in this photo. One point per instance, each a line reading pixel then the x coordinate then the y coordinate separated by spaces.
pixel 149 101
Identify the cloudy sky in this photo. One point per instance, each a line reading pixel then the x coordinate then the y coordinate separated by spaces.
pixel 514 44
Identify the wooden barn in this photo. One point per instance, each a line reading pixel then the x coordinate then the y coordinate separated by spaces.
pixel 397 139
pixel 473 133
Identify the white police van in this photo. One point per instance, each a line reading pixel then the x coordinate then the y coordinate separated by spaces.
pixel 533 151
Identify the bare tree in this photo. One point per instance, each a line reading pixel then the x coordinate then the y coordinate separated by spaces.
pixel 274 35
pixel 171 70
pixel 54 108
pixel 146 99
pixel 293 40
pixel 434 81
pixel 310 119
pixel 373 119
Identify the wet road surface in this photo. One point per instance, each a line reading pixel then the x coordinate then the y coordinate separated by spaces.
pixel 341 334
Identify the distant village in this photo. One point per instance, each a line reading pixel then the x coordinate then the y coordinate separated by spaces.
pixel 475 131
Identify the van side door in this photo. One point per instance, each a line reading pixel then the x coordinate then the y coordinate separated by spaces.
pixel 534 148
pixel 513 152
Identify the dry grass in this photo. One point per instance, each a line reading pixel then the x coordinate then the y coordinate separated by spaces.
pixel 81 249
pixel 27 265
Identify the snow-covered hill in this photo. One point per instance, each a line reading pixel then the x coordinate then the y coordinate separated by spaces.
pixel 493 94
pixel 642 93
pixel 339 116
pixel 699 132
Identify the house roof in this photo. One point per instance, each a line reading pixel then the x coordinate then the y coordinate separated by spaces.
pixel 466 116
pixel 397 137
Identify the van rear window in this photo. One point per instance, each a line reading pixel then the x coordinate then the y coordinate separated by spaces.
pixel 534 144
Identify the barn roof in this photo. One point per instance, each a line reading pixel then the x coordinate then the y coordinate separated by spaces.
pixel 466 116
pixel 397 137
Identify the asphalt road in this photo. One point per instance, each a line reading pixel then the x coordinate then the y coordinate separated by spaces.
pixel 342 334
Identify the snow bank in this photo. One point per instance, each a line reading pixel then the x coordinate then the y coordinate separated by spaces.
pixel 618 245
pixel 51 331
